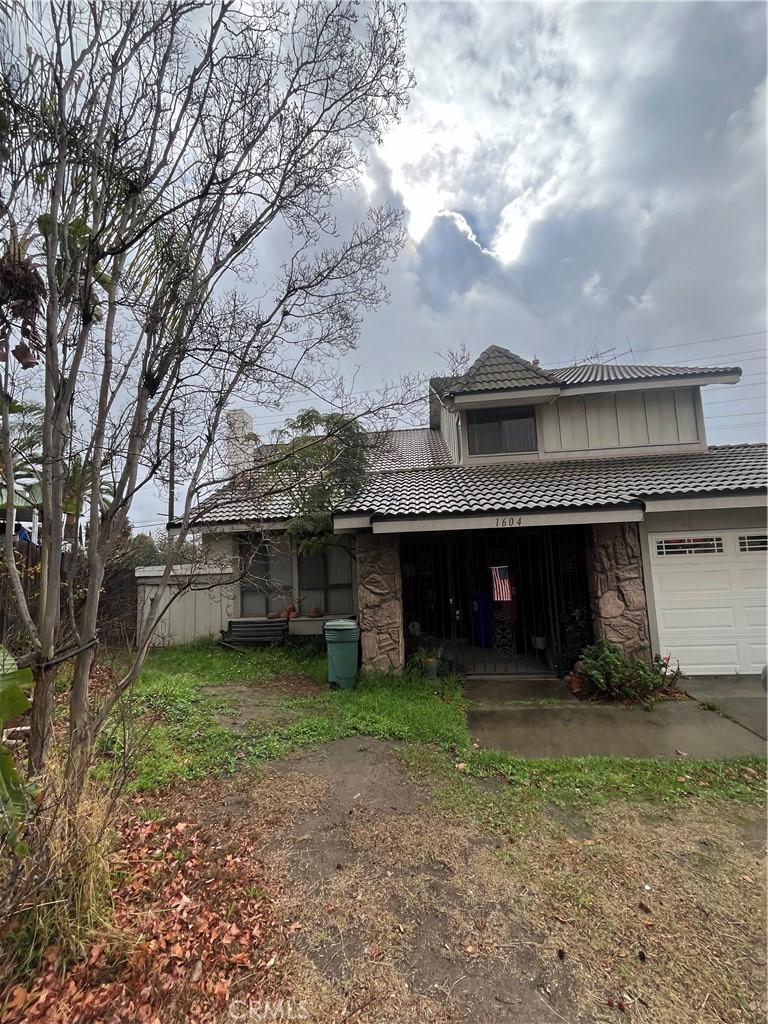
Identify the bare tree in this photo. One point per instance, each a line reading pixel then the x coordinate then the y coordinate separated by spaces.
pixel 148 152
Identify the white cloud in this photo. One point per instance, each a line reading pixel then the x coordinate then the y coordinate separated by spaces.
pixel 580 172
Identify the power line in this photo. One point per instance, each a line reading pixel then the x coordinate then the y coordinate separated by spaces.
pixel 701 341
pixel 736 398
pixel 743 352
pixel 735 355
pixel 731 415
pixel 732 426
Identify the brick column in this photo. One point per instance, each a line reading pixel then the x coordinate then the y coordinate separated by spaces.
pixel 617 588
pixel 380 602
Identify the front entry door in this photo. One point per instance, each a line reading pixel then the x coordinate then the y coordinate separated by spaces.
pixel 497 602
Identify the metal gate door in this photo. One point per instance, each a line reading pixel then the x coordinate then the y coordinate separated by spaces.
pixel 498 602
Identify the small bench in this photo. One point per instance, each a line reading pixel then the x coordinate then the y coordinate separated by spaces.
pixel 245 632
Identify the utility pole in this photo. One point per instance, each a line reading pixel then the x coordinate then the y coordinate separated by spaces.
pixel 172 469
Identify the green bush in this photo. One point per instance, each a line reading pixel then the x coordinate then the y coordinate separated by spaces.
pixel 611 674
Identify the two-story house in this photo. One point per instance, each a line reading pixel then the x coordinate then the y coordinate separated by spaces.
pixel 539 510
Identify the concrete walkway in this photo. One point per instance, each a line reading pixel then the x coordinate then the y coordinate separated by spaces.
pixel 521 717
pixel 741 697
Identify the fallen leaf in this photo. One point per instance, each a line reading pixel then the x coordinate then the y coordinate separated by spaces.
pixel 96 952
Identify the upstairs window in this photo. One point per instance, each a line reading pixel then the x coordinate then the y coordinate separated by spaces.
pixel 501 431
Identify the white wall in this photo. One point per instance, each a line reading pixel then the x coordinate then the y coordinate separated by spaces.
pixel 629 419
pixel 197 614
pixel 629 422
pixel 449 427
pixel 219 547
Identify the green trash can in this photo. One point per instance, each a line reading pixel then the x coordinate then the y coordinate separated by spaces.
pixel 342 637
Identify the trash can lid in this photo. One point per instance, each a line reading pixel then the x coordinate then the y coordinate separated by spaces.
pixel 341 624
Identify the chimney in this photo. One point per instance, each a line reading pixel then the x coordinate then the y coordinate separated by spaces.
pixel 239 441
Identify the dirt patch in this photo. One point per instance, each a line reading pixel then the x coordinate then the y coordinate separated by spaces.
pixel 254 703
pixel 395 921
pixel 384 909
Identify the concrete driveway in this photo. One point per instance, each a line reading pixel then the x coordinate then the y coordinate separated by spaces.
pixel 540 718
pixel 740 697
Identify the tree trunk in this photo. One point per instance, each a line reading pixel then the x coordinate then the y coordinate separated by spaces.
pixel 41 718
pixel 80 727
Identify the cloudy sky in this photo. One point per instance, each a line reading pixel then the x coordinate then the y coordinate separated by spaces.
pixel 577 179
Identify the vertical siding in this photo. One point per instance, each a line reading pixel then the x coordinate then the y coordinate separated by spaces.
pixel 602 421
pixel 573 424
pixel 630 419
pixel 660 416
pixel 549 420
pixel 685 410
pixel 195 615
pixel 449 427
pixel 633 426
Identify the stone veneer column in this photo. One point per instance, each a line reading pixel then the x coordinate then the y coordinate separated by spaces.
pixel 380 602
pixel 617 588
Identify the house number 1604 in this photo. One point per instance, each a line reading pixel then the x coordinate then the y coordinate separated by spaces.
pixel 509 520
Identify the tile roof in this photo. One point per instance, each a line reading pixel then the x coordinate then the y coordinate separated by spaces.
pixel 497 369
pixel 417 448
pixel 610 373
pixel 561 484
pixel 245 501
pixel 413 476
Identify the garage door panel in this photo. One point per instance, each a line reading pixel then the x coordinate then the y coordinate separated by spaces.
pixel 756 618
pixel 698 618
pixel 752 580
pixel 686 581
pixel 711 608
pixel 706 659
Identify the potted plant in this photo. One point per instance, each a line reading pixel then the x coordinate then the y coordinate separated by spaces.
pixel 427 661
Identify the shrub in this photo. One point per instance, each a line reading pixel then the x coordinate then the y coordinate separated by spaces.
pixel 611 674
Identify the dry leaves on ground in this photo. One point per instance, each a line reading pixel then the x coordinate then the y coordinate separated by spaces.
pixel 192 924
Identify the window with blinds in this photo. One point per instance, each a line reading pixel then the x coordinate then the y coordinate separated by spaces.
pixel 265 588
pixel 501 431
pixel 325 581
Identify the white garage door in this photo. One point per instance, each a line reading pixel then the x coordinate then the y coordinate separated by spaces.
pixel 710 594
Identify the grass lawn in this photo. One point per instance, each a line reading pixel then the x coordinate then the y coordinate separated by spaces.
pixel 353 855
pixel 187 696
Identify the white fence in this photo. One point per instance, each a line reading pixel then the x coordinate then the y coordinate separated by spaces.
pixel 205 598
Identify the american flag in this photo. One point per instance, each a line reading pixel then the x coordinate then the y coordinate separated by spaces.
pixel 502 590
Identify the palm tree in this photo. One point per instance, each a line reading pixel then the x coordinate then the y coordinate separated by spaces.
pixel 26 442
